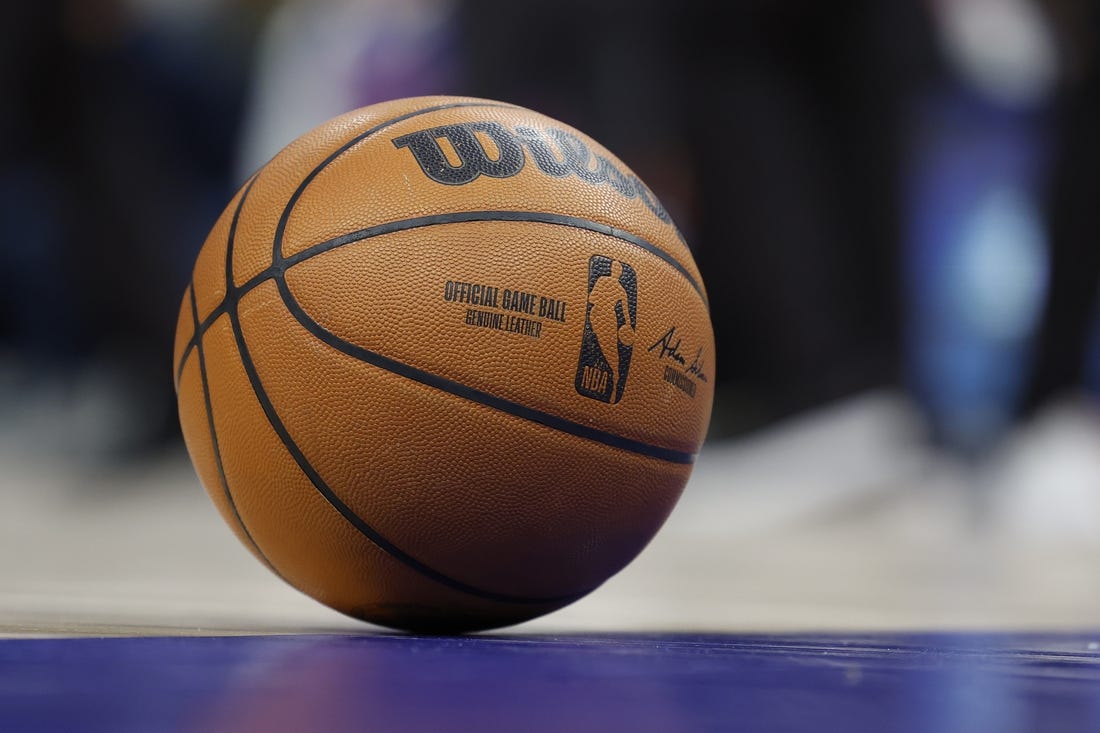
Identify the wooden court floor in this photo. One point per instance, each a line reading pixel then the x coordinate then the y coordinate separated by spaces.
pixel 839 520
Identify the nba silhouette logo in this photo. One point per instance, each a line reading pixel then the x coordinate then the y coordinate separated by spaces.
pixel 609 323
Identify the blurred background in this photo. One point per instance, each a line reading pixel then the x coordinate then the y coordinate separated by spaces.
pixel 894 204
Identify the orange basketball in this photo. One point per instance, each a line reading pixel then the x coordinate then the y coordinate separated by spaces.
pixel 444 364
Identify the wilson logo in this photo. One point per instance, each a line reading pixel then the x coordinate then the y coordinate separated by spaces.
pixel 491 149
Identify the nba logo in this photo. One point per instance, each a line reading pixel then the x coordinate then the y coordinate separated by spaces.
pixel 609 323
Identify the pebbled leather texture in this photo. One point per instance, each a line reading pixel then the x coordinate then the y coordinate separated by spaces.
pixel 435 381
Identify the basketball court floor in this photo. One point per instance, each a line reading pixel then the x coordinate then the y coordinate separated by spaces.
pixel 828 574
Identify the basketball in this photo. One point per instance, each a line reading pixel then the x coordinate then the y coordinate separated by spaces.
pixel 444 364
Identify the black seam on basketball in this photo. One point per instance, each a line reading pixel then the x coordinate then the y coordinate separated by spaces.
pixel 188 293
pixel 456 217
pixel 319 483
pixel 467 392
pixel 220 309
pixel 218 312
pixel 217 450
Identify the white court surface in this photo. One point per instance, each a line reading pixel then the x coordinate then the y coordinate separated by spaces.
pixel 836 521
